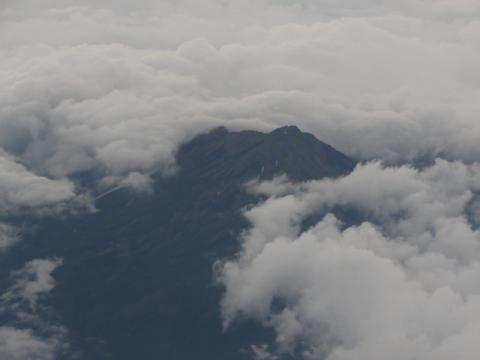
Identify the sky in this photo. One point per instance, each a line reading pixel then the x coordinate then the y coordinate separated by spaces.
pixel 115 87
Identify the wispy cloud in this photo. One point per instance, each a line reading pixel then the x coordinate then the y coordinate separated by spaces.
pixel 29 334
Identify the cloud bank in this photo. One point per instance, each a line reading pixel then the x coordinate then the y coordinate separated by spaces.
pixel 114 88
pixel 117 87
pixel 401 285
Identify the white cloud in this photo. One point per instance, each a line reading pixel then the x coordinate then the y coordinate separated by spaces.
pixel 22 189
pixel 400 285
pixel 28 334
pixel 24 192
pixel 112 86
pixel 32 282
pixel 17 344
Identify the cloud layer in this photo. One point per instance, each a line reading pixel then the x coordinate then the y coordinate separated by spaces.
pixel 116 87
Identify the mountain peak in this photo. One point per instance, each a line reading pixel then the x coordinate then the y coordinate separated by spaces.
pixel 287 130
pixel 222 154
pixel 219 130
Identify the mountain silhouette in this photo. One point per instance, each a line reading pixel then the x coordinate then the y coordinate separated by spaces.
pixel 225 155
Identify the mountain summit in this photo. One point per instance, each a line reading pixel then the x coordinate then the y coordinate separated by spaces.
pixel 136 280
pixel 245 154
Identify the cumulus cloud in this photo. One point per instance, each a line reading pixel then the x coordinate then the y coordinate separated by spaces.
pixel 400 285
pixel 22 189
pixel 24 192
pixel 29 335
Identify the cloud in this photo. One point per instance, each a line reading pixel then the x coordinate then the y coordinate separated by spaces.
pixel 32 282
pixel 116 88
pixel 262 353
pixel 9 236
pixel 134 180
pixel 24 193
pixel 16 344
pixel 400 284
pixel 29 334
pixel 22 189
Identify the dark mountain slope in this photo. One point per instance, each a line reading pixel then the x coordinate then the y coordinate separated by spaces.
pixel 223 155
pixel 137 276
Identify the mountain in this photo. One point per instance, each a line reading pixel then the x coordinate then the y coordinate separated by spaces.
pixel 136 280
pixel 224 155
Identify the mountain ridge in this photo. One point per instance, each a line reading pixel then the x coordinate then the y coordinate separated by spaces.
pixel 301 156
